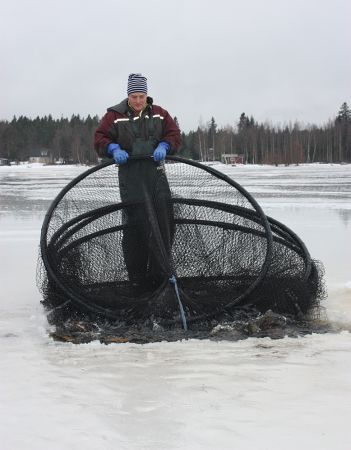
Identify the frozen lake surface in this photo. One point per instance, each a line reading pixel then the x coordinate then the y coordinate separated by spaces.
pixel 256 393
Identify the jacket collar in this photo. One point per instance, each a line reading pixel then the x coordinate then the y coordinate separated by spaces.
pixel 124 108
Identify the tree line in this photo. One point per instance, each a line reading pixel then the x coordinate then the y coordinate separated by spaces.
pixel 71 140
pixel 67 140
pixel 263 143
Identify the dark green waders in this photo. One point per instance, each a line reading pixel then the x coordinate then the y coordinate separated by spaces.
pixel 147 238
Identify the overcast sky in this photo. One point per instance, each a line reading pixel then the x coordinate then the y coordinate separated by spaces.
pixel 278 60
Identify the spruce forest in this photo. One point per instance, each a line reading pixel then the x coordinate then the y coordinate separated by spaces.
pixel 71 140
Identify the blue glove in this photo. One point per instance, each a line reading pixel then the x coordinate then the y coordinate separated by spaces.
pixel 160 151
pixel 120 156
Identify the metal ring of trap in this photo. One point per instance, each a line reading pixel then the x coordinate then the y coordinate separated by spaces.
pixel 78 299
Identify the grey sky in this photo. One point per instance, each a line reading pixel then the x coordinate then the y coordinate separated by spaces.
pixel 280 60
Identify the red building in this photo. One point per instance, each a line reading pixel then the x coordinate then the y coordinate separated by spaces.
pixel 232 158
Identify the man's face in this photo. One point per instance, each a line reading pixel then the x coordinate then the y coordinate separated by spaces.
pixel 137 101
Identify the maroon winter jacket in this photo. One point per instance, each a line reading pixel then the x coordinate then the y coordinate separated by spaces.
pixel 115 127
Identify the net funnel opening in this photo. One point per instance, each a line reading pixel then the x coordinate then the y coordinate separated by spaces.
pixel 109 251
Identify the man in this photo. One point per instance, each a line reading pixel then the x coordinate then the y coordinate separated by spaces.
pixel 137 127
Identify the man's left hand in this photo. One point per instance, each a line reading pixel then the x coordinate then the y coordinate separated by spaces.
pixel 160 151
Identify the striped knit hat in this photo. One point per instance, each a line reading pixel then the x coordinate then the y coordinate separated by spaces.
pixel 136 83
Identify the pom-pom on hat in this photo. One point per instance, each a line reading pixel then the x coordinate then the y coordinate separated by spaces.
pixel 136 83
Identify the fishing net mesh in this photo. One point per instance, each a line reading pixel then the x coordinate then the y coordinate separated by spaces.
pixel 198 242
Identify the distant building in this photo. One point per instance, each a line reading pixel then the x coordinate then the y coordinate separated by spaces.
pixel 4 162
pixel 41 155
pixel 232 158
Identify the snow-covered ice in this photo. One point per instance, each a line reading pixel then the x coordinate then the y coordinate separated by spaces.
pixel 252 394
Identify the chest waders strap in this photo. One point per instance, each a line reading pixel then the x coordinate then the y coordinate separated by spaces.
pixel 142 146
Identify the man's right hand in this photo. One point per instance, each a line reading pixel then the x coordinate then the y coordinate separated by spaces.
pixel 120 156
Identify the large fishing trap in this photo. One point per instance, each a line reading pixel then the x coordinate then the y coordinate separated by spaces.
pixel 195 249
